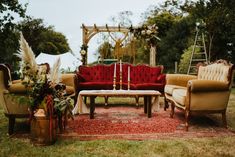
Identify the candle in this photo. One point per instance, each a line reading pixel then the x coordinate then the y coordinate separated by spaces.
pixel 120 66
pixel 128 74
pixel 114 74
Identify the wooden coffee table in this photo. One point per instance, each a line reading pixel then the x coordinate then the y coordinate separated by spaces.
pixel 147 94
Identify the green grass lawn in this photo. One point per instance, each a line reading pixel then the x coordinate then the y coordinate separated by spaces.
pixel 210 146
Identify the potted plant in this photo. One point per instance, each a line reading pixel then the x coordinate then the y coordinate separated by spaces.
pixel 46 95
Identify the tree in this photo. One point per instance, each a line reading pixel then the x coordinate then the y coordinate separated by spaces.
pixel 8 33
pixel 176 40
pixel 185 59
pixel 7 9
pixel 122 19
pixel 174 31
pixel 105 50
pixel 42 38
pixel 219 17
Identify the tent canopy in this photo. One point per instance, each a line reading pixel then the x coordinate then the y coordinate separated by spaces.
pixel 68 61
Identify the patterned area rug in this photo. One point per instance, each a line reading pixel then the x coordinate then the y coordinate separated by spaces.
pixel 131 123
pixel 123 120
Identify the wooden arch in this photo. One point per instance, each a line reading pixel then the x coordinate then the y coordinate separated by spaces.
pixel 89 31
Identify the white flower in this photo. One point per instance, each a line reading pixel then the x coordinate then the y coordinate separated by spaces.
pixel 143 32
pixel 149 32
pixel 83 52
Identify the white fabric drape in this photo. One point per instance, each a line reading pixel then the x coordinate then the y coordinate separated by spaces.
pixel 82 108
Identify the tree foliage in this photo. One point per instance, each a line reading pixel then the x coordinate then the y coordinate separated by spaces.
pixel 105 50
pixel 7 10
pixel 39 37
pixel 42 38
pixel 8 33
pixel 219 17
pixel 185 59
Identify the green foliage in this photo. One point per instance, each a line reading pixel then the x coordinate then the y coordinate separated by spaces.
pixel 171 46
pixel 42 38
pixel 64 106
pixel 9 8
pixel 219 17
pixel 122 19
pixel 8 46
pixel 185 59
pixel 105 50
pixel 8 34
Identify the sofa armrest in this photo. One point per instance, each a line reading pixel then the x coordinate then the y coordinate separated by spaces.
pixel 161 79
pixel 80 78
pixel 17 88
pixel 179 79
pixel 77 79
pixel 207 85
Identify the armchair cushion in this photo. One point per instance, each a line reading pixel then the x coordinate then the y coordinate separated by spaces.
pixel 170 88
pixel 179 96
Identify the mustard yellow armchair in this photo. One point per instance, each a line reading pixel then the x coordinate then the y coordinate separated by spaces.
pixel 68 81
pixel 9 98
pixel 208 92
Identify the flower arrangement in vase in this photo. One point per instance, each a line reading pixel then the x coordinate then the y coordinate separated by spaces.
pixel 45 92
pixel 147 34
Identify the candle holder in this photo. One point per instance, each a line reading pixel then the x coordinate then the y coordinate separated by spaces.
pixel 120 80
pixel 114 83
pixel 128 85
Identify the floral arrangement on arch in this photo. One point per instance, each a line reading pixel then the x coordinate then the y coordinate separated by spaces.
pixel 146 33
pixel 45 90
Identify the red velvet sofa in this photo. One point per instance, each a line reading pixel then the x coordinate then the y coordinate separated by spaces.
pixel 142 77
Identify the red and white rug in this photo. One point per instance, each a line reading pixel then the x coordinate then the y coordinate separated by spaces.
pixel 128 122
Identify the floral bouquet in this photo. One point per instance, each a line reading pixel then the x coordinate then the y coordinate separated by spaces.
pixel 147 33
pixel 46 93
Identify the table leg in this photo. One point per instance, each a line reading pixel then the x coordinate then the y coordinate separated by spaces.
pixel 149 106
pixel 145 104
pixel 92 106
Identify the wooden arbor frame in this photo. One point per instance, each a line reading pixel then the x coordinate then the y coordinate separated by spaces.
pixel 89 31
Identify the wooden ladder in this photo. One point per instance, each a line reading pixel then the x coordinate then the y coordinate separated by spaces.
pixel 197 56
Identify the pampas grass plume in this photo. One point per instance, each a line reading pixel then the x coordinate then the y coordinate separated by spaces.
pixel 55 73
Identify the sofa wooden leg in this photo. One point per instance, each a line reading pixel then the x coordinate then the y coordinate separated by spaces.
pixel 186 119
pixel 224 119
pixel 166 104
pixel 172 110
pixel 11 125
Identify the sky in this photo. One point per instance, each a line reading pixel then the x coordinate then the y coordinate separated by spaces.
pixel 67 16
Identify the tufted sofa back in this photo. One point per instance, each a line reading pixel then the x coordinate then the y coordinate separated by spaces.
pixel 216 71
pixel 144 73
pixel 138 73
pixel 97 73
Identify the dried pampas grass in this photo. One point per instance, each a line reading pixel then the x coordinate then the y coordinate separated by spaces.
pixel 26 54
pixel 55 73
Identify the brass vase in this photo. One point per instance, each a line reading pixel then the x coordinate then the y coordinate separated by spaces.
pixel 43 130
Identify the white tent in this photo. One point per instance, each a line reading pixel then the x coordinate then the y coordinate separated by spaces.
pixel 67 60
